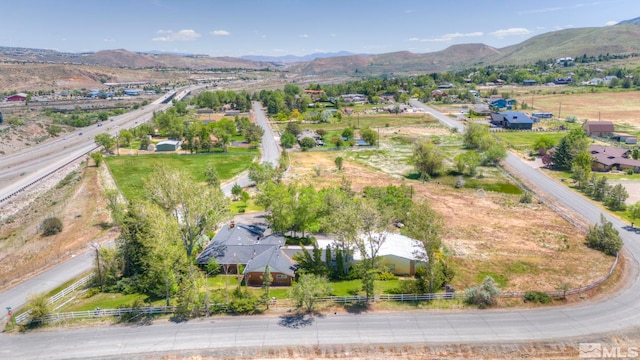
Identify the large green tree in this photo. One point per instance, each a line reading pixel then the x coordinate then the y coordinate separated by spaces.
pixel 428 159
pixel 195 209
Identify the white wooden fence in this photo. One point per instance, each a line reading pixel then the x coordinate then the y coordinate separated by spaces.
pixel 24 317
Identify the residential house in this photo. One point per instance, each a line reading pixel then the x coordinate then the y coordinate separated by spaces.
pixel 598 128
pixel 529 82
pixel 562 81
pixel 482 110
pixel 502 103
pixel 606 158
pixel 512 120
pixel 250 246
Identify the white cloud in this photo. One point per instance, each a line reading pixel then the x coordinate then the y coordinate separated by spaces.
pixel 334 35
pixel 303 36
pixel 220 33
pixel 511 32
pixel 182 35
pixel 109 40
pixel 448 37
pixel 610 23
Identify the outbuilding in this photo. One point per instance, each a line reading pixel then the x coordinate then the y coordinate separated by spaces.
pixel 168 145
pixel 17 97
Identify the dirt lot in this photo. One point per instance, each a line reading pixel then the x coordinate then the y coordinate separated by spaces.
pixel 530 246
pixel 80 206
pixel 618 107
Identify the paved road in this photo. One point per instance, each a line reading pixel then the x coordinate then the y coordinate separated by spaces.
pixel 621 311
pixel 23 168
pixel 270 150
pixel 438 115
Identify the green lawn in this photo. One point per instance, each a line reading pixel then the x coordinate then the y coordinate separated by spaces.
pixel 522 140
pixel 354 287
pixel 239 207
pixel 130 171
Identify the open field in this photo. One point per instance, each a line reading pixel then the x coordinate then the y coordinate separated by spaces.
pixel 370 121
pixel 524 246
pixel 130 172
pixel 619 107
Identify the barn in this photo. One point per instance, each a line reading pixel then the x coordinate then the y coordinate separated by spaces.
pixel 17 97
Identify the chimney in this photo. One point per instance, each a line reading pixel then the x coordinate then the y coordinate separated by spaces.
pixel 232 224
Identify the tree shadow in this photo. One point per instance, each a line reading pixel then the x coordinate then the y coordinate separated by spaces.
pixel 356 308
pixel 296 321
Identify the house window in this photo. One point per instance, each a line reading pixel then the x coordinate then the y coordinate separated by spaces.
pixel 281 276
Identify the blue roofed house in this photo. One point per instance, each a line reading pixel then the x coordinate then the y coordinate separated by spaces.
pixel 512 120
pixel 501 103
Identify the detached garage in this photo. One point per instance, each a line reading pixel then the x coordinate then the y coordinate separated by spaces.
pixel 168 145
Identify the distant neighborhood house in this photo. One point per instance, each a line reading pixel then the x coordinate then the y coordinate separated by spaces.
pixel 512 120
pixel 606 158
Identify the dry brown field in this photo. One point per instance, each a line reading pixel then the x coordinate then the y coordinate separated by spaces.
pixel 528 245
pixel 618 107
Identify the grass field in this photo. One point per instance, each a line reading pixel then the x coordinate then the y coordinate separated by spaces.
pixel 131 171
pixel 521 140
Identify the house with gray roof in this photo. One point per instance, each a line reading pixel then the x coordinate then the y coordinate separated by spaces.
pixel 249 246
pixel 512 120
pixel 281 267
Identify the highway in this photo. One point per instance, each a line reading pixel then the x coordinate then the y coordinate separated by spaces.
pixel 235 335
pixel 25 167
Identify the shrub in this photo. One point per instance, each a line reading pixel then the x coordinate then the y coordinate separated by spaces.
pixel 537 297
pixel 386 276
pixel 39 306
pixel 526 198
pixel 243 302
pixel 483 295
pixel 51 226
pixel 604 237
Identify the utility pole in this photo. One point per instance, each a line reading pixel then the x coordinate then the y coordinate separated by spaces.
pixel 378 137
pixel 559 110
pixel 97 248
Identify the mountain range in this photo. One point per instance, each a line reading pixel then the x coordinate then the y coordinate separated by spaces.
pixel 623 38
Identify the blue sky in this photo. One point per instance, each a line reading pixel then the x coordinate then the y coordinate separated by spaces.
pixel 293 27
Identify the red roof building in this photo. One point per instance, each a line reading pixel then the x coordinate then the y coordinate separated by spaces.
pixel 17 97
